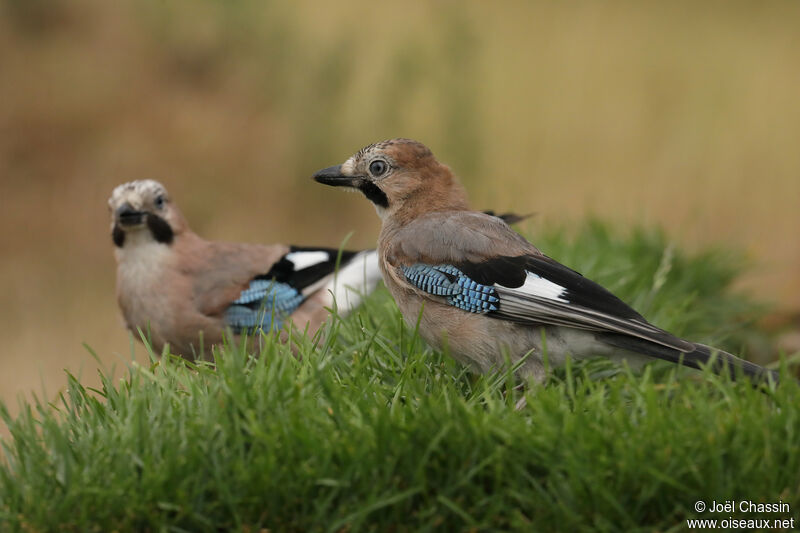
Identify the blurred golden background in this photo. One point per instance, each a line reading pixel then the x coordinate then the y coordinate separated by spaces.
pixel 680 114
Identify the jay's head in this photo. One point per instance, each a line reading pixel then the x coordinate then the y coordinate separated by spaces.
pixel 143 209
pixel 398 175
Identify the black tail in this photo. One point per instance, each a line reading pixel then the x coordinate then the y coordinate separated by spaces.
pixel 509 218
pixel 720 361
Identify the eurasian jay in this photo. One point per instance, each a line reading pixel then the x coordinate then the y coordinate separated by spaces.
pixel 482 291
pixel 187 291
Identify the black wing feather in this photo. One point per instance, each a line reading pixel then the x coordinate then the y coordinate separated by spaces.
pixel 588 305
pixel 511 272
pixel 502 270
pixel 284 270
pixel 580 290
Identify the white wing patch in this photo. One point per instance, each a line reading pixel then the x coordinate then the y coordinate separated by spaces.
pixel 302 260
pixel 353 282
pixel 536 285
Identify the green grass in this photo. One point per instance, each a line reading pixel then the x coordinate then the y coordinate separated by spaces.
pixel 369 430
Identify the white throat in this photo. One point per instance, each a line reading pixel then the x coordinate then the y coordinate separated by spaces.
pixel 141 259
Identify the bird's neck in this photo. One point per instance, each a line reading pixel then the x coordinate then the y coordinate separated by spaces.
pixel 453 197
pixel 418 207
pixel 142 247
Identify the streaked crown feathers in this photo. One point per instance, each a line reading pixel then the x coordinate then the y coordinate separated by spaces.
pixel 136 193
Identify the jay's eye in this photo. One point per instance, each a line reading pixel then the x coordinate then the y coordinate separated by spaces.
pixel 378 168
pixel 160 201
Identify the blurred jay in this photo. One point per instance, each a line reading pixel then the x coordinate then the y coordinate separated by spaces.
pixel 186 291
pixel 481 290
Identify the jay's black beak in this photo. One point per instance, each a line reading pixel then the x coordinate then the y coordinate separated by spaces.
pixel 128 216
pixel 333 176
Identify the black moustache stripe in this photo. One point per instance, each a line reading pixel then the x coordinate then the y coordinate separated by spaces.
pixel 118 236
pixel 159 229
pixel 373 193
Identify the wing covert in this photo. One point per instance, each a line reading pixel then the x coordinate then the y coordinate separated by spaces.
pixel 262 305
pixel 536 291
pixel 271 297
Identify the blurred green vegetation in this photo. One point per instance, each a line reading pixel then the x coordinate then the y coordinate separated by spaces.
pixel 676 114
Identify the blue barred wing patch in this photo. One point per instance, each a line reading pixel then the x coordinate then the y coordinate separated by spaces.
pixel 262 305
pixel 456 287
